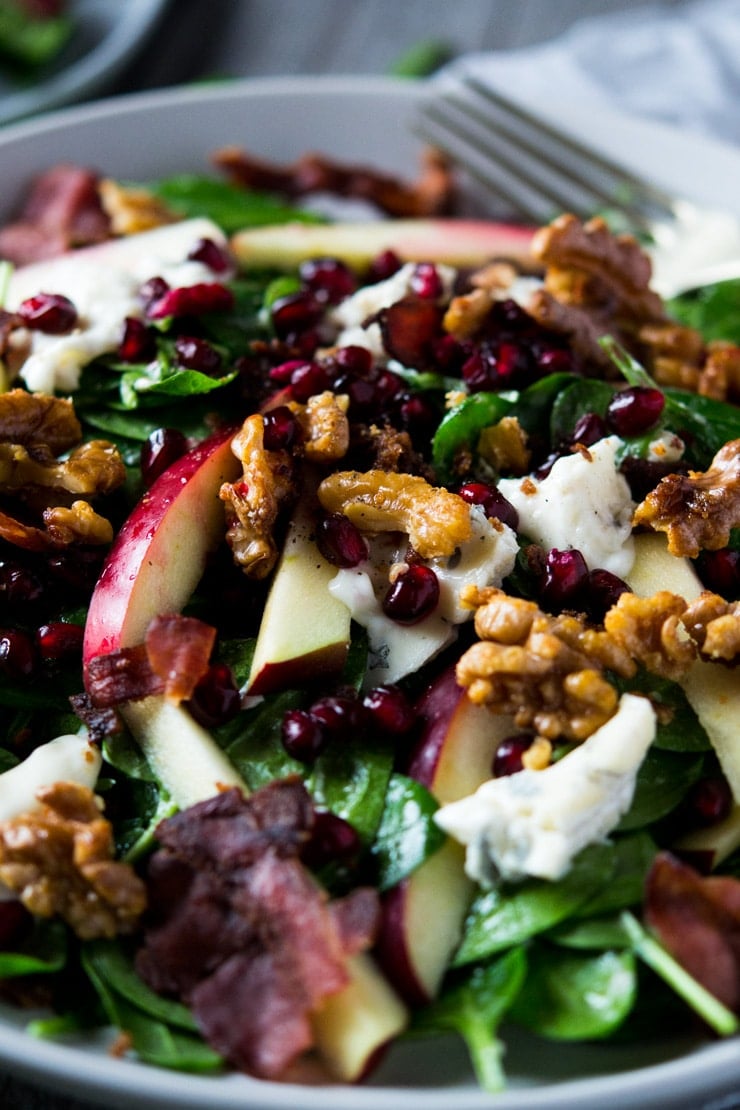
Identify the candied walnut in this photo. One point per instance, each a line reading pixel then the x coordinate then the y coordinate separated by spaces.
pixel 323 421
pixel 386 448
pixel 77 524
pixel 92 468
pixel 650 629
pixel 432 194
pixel 536 667
pixel 714 624
pixel 697 510
pixel 132 210
pixel 596 283
pixel 253 503
pixel 37 419
pixel 719 377
pixel 538 755
pixel 466 313
pixel 504 446
pixel 59 860
pixel 435 520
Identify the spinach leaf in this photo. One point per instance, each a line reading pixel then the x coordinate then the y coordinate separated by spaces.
pixel 663 780
pixel 461 426
pixel 714 310
pixel 115 967
pixel 153 1040
pixel 683 732
pixel 633 857
pixel 474 1008
pixel 597 933
pixel 42 952
pixel 229 206
pixel 582 396
pixel 27 41
pixel 574 996
pixel 407 834
pixel 509 915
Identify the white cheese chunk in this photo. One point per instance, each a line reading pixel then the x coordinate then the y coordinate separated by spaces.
pixel 535 822
pixel 103 282
pixel 584 503
pixel 396 649
pixel 70 758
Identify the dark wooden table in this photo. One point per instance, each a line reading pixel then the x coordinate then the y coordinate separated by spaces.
pixel 201 39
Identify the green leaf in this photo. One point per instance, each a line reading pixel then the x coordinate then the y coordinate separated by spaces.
pixel 474 1008
pixel 115 967
pixel 462 425
pixel 509 915
pixel 663 780
pixel 229 206
pixel 44 951
pixel 633 857
pixel 422 59
pixel 407 834
pixel 28 41
pixel 153 1041
pixel 582 396
pixel 714 310
pixel 573 996
pixel 716 1015
pixel 591 933
pixel 683 732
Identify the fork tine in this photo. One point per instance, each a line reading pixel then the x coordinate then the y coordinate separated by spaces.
pixel 514 141
pixel 653 193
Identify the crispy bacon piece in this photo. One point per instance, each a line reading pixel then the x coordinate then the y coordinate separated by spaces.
pixel 121 676
pixel 698 920
pixel 432 194
pixel 241 931
pixel 178 649
pixel 100 722
pixel 63 210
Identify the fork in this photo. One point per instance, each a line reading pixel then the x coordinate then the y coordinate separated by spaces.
pixel 538 170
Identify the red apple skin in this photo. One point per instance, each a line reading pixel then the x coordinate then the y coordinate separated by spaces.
pixel 160 552
pixel 452 758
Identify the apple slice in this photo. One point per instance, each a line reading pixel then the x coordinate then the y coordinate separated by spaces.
pixel 452 758
pixel 456 242
pixel 160 552
pixel 710 846
pixel 354 1025
pixel 712 690
pixel 305 632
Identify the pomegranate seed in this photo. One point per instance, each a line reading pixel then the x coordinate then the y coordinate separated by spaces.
pixel 426 282
pixel 634 410
pixel 384 266
pixel 17 653
pixel 329 279
pixel 494 503
pixel 152 291
pixel 413 595
pixel 353 360
pixel 212 255
pixel 59 640
pixel 340 542
pixel 508 757
pixel 603 589
pixel 302 735
pixel 710 800
pixel 163 447
pixel 388 386
pixel 720 572
pixel 51 313
pixel 295 313
pixel 333 840
pixel 307 380
pixel 418 416
pixel 450 354
pixel 191 300
pixel 18 584
pixel 589 429
pixel 197 354
pixel 280 428
pixel 390 709
pixel 555 360
pixel 76 570
pixel 137 342
pixel 215 699
pixel 340 718
pixel 566 575
pixel 284 371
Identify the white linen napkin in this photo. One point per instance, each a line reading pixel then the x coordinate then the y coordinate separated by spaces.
pixel 676 64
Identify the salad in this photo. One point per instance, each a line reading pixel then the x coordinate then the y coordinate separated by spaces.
pixel 371 599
